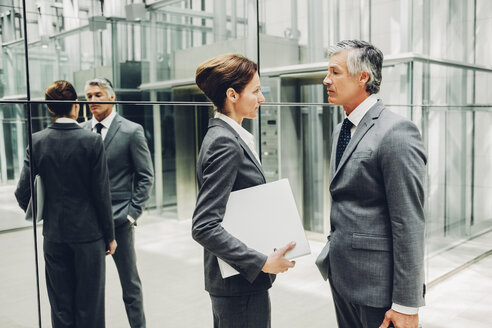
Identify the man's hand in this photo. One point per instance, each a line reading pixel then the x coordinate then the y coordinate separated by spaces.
pixel 111 247
pixel 400 320
pixel 277 263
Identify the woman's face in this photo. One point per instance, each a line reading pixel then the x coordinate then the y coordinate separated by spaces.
pixel 249 100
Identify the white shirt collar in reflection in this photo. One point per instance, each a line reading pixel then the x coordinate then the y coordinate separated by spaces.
pixel 66 120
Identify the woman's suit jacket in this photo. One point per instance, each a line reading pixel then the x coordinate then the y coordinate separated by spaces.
pixel 226 164
pixel 72 164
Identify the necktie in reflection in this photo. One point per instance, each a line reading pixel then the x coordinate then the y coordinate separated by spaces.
pixel 99 127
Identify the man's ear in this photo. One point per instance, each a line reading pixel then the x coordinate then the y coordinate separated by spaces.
pixel 364 77
pixel 231 94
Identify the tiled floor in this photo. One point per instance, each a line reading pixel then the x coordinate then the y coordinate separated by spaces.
pixel 170 263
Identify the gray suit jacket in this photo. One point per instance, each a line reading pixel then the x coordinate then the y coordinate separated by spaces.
pixel 226 164
pixel 72 164
pixel 131 175
pixel 376 243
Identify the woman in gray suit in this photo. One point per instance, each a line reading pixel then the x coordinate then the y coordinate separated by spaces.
pixel 228 162
pixel 78 224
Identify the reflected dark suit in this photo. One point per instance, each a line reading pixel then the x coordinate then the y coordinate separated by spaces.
pixel 78 222
pixel 226 164
pixel 131 178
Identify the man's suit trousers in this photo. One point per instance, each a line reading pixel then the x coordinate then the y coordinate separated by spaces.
pixel 350 315
pixel 126 264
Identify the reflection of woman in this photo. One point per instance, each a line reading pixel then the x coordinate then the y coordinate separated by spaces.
pixel 78 224
pixel 228 162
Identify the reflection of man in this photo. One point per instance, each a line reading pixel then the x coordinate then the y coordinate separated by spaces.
pixel 376 242
pixel 130 178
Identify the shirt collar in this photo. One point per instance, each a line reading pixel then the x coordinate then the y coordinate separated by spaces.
pixel 65 120
pixel 106 122
pixel 243 133
pixel 358 113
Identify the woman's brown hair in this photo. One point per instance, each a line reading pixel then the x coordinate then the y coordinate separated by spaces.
pixel 60 90
pixel 216 75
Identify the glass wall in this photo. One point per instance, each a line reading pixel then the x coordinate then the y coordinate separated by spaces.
pixel 437 70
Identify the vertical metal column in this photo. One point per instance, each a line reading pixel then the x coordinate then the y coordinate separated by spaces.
pixel 334 15
pixel 253 37
pixel 365 20
pixel 314 197
pixel 220 32
pixel 3 159
pixel 472 164
pixel 156 113
pixel 115 60
pixel 32 163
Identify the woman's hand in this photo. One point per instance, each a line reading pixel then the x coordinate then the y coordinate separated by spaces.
pixel 277 263
pixel 111 248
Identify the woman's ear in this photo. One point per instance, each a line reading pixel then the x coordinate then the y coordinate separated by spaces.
pixel 231 94
pixel 75 111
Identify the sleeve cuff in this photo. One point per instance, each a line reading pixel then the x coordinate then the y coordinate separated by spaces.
pixel 132 220
pixel 405 309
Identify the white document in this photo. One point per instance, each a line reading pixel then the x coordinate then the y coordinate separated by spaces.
pixel 39 194
pixel 264 217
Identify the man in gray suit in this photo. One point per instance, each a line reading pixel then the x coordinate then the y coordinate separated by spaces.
pixel 375 250
pixel 130 177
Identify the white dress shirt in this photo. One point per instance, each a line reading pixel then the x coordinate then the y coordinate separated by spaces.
pixel 358 113
pixel 247 137
pixel 355 117
pixel 106 124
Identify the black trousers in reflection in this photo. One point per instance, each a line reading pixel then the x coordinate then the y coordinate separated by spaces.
pixel 246 311
pixel 75 278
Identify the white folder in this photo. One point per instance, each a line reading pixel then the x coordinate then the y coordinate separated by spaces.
pixel 39 194
pixel 265 218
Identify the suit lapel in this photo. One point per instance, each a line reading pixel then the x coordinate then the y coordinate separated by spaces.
pixel 113 128
pixel 365 125
pixel 218 121
pixel 336 133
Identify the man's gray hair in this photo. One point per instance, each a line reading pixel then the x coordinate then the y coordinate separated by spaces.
pixel 362 57
pixel 103 83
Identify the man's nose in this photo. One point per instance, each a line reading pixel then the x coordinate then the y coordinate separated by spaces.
pixel 327 80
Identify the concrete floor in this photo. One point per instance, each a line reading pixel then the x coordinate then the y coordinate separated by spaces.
pixel 170 264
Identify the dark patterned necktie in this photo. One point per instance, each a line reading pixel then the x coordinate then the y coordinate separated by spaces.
pixel 99 127
pixel 343 139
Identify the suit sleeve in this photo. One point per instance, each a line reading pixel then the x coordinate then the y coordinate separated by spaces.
pixel 143 170
pixel 403 163
pixel 219 174
pixel 23 190
pixel 101 192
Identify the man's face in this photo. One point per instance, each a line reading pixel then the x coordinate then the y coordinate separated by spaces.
pixel 97 93
pixel 342 88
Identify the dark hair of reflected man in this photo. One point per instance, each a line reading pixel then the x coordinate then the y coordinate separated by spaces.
pixel 216 75
pixel 60 90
